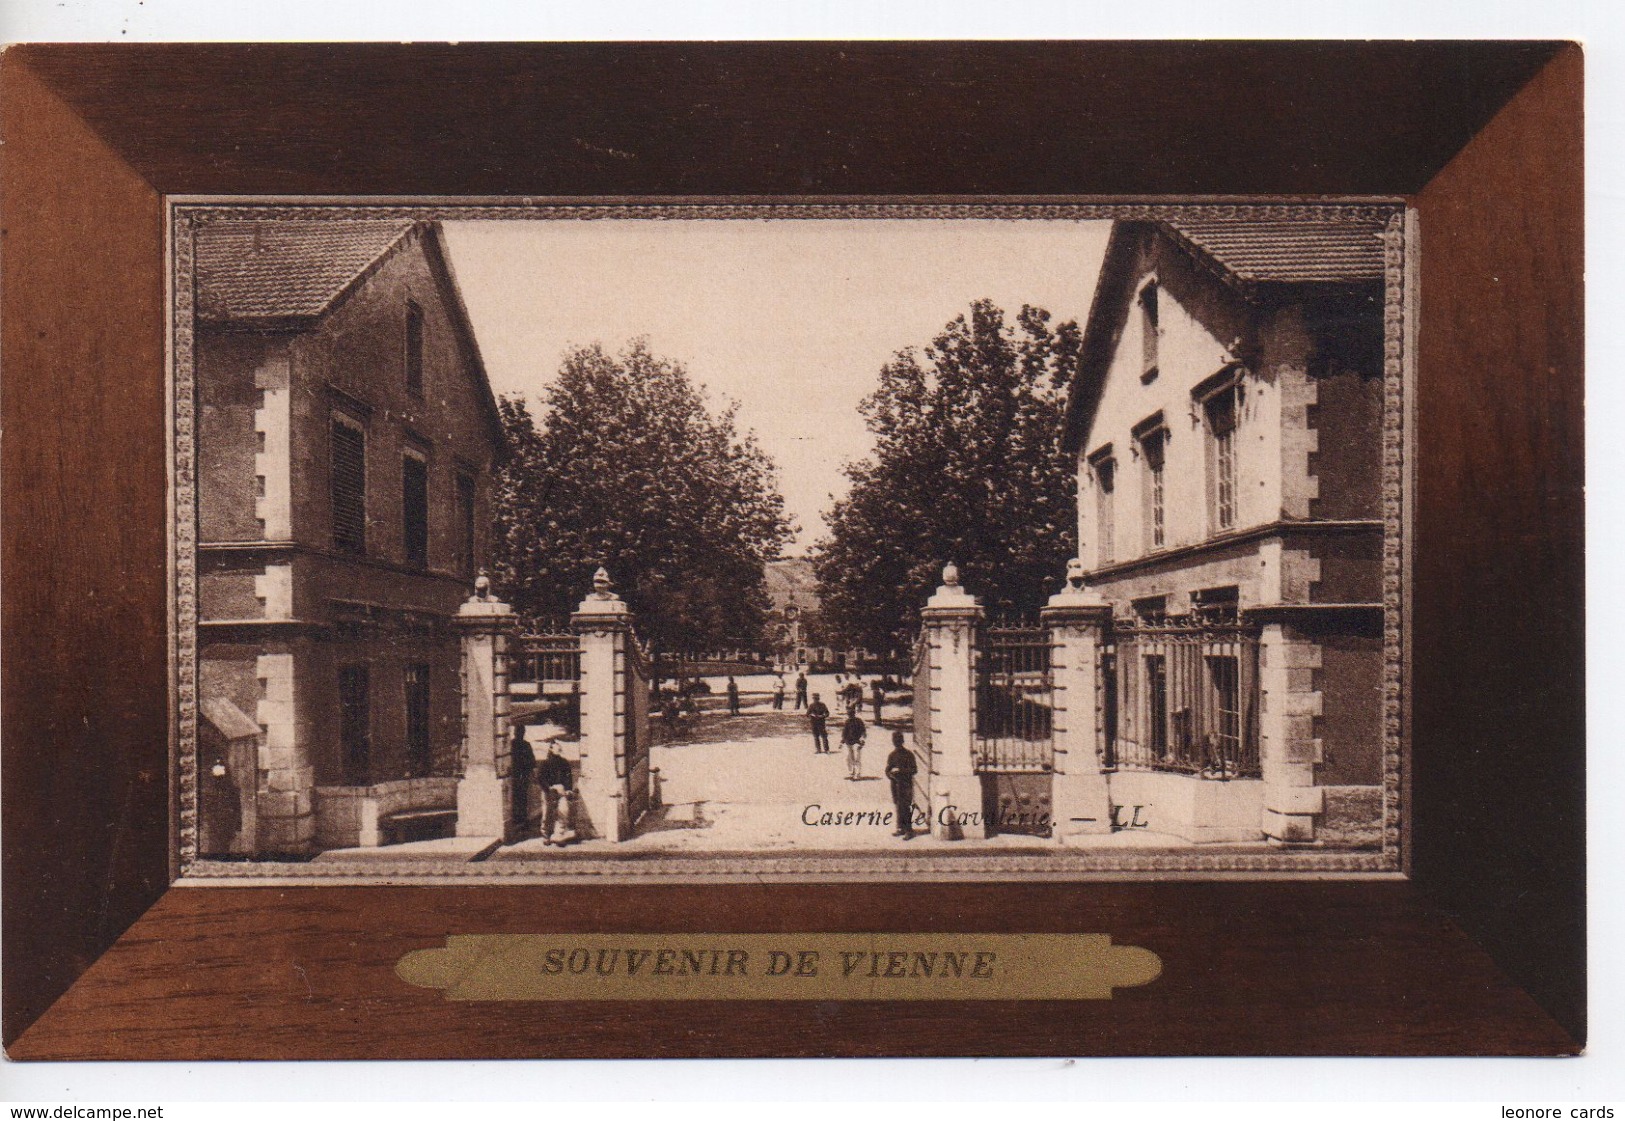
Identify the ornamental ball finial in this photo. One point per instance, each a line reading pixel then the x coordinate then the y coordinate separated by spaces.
pixel 950 575
pixel 482 585
pixel 1074 574
pixel 602 585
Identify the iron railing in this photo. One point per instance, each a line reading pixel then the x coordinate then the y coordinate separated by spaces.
pixel 545 657
pixel 1181 694
pixel 1013 700
pixel 637 669
pixel 921 704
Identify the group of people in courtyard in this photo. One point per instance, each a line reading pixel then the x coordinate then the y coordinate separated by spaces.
pixel 850 692
pixel 901 766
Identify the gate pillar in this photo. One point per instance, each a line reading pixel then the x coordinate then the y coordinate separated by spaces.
pixel 949 621
pixel 1289 665
pixel 484 800
pixel 604 624
pixel 1077 618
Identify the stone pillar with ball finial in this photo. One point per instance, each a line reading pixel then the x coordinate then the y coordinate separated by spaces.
pixel 603 623
pixel 1078 618
pixel 484 797
pixel 950 619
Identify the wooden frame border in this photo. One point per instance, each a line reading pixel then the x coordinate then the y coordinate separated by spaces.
pixel 1481 952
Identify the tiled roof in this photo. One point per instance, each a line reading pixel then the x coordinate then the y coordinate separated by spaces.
pixel 1279 251
pixel 792 581
pixel 255 270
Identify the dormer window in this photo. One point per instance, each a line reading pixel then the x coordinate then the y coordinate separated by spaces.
pixel 1149 331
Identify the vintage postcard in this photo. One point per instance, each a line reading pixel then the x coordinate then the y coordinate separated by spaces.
pixel 987 540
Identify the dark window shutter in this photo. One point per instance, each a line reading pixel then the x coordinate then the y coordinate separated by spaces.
pixel 349 488
pixel 355 724
pixel 415 510
pixel 419 755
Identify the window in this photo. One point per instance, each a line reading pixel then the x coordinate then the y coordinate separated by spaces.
pixel 414 349
pixel 348 485
pixel 1186 695
pixel 1105 487
pixel 1152 435
pixel 419 755
pixel 415 508
pixel 1105 471
pixel 1223 738
pixel 1156 705
pixel 355 724
pixel 1217 605
pixel 1108 706
pixel 1149 331
pixel 465 525
pixel 1151 609
pixel 1223 414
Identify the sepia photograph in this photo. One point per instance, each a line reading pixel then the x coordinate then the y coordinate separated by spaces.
pixel 876 539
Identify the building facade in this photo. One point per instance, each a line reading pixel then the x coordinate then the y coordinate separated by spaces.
pixel 793 633
pixel 1227 422
pixel 346 437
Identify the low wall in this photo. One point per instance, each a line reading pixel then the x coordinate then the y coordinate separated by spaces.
pixel 1196 809
pixel 1353 817
pixel 349 816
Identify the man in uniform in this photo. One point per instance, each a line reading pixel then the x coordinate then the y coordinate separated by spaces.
pixel 818 714
pixel 900 769
pixel 523 760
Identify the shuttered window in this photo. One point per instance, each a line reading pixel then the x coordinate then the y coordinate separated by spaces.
pixel 1105 472
pixel 355 724
pixel 349 486
pixel 1150 332
pixel 419 757
pixel 415 510
pixel 1222 419
pixel 1153 446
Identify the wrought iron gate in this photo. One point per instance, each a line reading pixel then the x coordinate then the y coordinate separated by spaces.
pixel 920 702
pixel 1014 701
pixel 637 670
pixel 1181 694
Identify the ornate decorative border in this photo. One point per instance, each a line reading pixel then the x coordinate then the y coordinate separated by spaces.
pixel 187 214
pixel 183 507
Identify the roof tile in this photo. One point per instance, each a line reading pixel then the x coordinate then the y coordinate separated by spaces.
pixel 276 269
pixel 1280 251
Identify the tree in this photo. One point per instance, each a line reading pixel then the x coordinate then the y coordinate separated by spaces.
pixel 967 467
pixel 629 468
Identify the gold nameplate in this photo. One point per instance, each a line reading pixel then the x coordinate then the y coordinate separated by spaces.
pixel 779 967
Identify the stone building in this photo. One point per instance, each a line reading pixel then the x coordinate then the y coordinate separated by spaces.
pixel 346 437
pixel 792 589
pixel 794 636
pixel 1227 422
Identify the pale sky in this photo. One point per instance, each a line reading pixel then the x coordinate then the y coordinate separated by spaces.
pixel 792 318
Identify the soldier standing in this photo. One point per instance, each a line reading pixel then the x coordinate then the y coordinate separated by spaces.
pixel 818 714
pixel 900 769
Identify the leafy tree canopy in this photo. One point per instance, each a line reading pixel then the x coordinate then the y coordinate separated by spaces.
pixel 967 467
pixel 631 469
